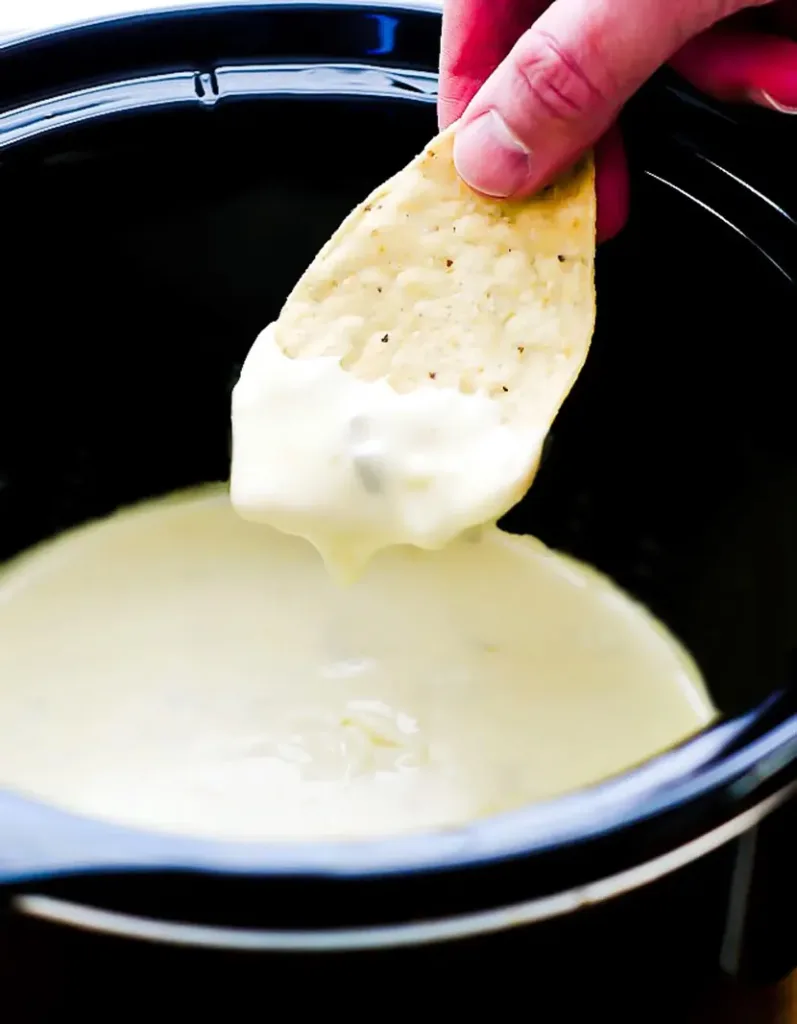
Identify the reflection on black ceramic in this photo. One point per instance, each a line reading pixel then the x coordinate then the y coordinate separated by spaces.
pixel 161 189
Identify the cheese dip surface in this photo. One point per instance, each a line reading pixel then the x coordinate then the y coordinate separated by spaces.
pixel 177 668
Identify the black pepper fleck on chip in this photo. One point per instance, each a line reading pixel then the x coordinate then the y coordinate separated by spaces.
pixel 561 258
pixel 432 376
pixel 449 263
pixel 385 338
pixel 504 387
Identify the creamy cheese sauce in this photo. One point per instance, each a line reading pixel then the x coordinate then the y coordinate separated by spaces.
pixel 178 668
pixel 355 466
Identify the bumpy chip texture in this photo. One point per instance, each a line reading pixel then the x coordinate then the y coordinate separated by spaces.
pixel 428 284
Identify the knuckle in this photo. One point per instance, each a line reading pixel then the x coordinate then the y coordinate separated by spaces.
pixel 556 78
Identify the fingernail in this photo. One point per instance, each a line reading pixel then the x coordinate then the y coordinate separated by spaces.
pixel 490 158
pixel 766 100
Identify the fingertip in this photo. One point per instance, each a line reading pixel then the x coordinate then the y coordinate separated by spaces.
pixel 452 100
pixel 742 67
pixel 762 98
pixel 476 37
pixel 490 158
pixel 612 184
pixel 446 113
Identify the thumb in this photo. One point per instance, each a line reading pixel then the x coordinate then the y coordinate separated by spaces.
pixel 564 83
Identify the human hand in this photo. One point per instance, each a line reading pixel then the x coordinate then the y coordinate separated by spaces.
pixel 535 82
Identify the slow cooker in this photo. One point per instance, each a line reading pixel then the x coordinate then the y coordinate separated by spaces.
pixel 164 179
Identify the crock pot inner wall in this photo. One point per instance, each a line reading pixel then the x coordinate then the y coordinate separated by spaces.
pixel 143 255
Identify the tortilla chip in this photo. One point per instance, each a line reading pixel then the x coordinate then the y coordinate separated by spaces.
pixel 428 284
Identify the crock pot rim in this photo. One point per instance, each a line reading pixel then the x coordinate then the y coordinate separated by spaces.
pixel 662 782
pixel 233 7
pixel 77 844
pixel 414 933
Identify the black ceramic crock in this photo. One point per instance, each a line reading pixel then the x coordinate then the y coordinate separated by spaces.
pixel 164 179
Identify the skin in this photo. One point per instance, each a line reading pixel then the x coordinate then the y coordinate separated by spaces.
pixel 534 83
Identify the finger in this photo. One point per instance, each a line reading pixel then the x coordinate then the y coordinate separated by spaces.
pixel 563 84
pixel 742 67
pixel 477 35
pixel 611 184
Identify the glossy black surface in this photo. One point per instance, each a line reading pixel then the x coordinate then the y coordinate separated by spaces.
pixel 638 959
pixel 143 249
